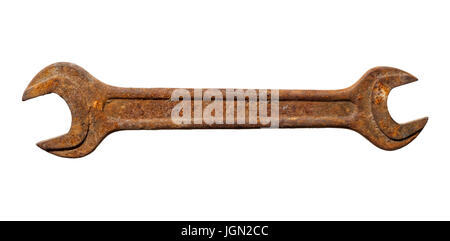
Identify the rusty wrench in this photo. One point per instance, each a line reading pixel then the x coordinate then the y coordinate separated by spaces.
pixel 98 109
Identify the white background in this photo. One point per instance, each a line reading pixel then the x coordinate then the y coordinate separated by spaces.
pixel 270 174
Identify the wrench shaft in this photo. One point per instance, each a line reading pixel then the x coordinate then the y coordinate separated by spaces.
pixel 153 109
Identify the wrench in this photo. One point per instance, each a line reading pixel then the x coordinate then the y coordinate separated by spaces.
pixel 99 109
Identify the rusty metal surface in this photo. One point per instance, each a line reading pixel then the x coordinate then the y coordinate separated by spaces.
pixel 99 109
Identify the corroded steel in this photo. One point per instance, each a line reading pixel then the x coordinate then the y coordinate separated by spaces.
pixel 99 109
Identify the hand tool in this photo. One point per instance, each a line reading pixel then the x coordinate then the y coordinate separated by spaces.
pixel 99 109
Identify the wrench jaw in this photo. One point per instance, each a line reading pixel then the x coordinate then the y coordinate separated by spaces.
pixel 97 132
pixel 369 129
pixel 84 96
pixel 98 128
pixel 373 120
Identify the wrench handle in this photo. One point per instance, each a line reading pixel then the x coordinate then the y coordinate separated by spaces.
pixel 154 109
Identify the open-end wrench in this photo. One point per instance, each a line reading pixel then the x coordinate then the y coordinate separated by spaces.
pixel 98 109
